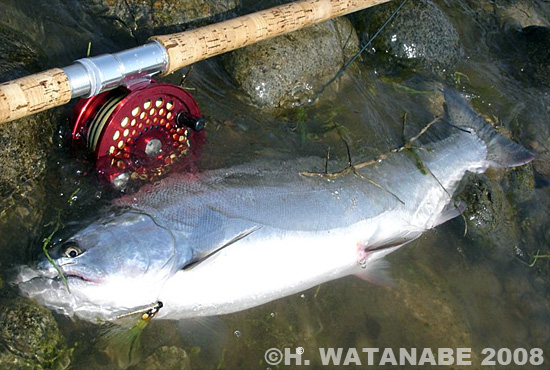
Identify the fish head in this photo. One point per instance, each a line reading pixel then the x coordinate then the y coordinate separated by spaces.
pixel 106 269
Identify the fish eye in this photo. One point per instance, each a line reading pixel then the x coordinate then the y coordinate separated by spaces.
pixel 71 250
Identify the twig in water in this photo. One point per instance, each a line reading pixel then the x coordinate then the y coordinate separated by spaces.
pixel 407 145
pixel 463 219
pixel 411 150
pixel 327 159
pixel 354 168
pixel 73 197
pixel 184 78
pixel 536 257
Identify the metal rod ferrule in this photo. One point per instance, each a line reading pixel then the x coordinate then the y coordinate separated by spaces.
pixel 91 76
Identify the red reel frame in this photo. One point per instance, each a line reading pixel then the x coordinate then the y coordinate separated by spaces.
pixel 139 132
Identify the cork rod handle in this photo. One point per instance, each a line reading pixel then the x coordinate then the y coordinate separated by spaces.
pixel 188 47
pixel 33 94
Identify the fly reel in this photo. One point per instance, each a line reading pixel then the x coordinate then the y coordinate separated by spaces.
pixel 139 132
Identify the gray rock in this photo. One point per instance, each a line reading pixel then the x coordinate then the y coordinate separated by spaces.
pixel 24 142
pixel 30 338
pixel 520 183
pixel 166 358
pixel 520 13
pixel 19 54
pixel 285 71
pixel 24 146
pixel 145 16
pixel 420 35
pixel 491 219
pixel 484 205
pixel 534 50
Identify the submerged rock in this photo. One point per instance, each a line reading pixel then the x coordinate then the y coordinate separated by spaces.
pixel 166 358
pixel 420 35
pixel 485 205
pixel 19 54
pixel 520 13
pixel 24 142
pixel 30 338
pixel 492 214
pixel 145 16
pixel 533 44
pixel 286 71
pixel 24 148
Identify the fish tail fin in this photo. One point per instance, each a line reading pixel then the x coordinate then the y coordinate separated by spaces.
pixel 501 151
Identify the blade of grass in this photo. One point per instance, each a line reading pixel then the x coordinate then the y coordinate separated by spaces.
pixel 46 242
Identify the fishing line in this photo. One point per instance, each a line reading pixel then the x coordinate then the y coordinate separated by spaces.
pixel 354 58
pixel 155 221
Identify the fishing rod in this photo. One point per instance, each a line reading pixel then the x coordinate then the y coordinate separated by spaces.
pixel 137 127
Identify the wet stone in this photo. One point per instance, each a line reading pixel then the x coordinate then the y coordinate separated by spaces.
pixel 18 55
pixel 166 358
pixel 534 50
pixel 20 220
pixel 24 142
pixel 288 70
pixel 420 35
pixel 520 13
pixel 30 337
pixel 484 205
pixel 491 220
pixel 24 145
pixel 520 182
pixel 146 16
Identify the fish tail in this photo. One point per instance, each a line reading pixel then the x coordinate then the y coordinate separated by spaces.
pixel 501 151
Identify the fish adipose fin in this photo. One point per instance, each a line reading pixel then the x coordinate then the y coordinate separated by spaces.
pixel 501 151
pixel 207 255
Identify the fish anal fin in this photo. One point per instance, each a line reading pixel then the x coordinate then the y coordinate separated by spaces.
pixel 377 272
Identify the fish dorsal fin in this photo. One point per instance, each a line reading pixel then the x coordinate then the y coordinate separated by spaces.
pixel 211 253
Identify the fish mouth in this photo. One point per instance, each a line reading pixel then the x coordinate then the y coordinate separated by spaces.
pixel 62 272
pixel 72 274
pixel 80 277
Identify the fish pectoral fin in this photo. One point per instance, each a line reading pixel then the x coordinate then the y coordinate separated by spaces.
pixel 377 272
pixel 213 252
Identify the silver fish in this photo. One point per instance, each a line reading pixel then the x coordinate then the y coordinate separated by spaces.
pixel 230 239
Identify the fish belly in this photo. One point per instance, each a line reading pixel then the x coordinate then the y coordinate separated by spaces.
pixel 272 265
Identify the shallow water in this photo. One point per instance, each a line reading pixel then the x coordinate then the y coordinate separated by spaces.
pixel 451 290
